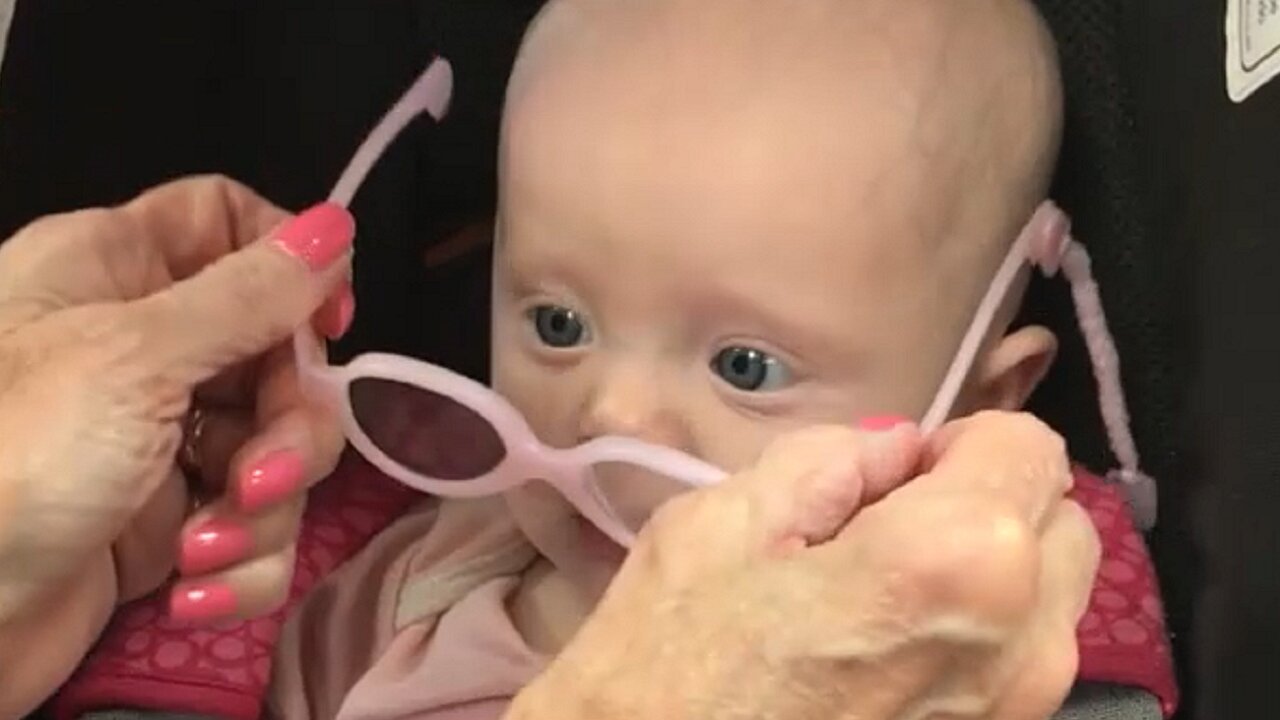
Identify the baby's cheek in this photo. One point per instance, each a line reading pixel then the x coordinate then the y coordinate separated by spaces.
pixel 732 440
pixel 547 400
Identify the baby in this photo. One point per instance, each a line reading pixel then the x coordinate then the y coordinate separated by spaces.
pixel 719 220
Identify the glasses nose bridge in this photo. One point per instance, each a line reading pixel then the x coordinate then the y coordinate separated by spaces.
pixel 532 460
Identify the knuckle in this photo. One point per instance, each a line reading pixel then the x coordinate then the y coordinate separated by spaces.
pixel 972 560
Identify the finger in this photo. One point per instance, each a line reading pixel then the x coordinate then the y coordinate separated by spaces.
pixel 248 301
pixel 334 317
pixel 251 589
pixel 1028 677
pixel 1050 658
pixel 195 221
pixel 293 452
pixel 221 536
pixel 144 553
pixel 828 473
pixel 299 441
pixel 127 252
pixel 803 489
pixel 1044 677
pixel 1072 552
pixel 1007 458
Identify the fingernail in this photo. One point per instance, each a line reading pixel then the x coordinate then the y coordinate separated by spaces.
pixel 335 316
pixel 318 236
pixel 272 479
pixel 213 546
pixel 208 601
pixel 881 423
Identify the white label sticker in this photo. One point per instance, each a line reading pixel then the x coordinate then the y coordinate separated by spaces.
pixel 1253 45
pixel 6 19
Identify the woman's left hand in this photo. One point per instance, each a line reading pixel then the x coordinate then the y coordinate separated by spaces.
pixel 113 324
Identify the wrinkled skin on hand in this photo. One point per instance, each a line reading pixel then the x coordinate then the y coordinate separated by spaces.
pixel 111 320
pixel 848 575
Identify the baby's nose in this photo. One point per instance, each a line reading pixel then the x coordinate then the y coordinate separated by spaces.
pixel 631 400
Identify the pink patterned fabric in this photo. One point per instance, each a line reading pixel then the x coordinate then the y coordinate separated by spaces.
pixel 1122 635
pixel 148 661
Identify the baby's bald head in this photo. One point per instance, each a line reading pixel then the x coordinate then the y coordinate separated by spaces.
pixel 855 164
pixel 953 106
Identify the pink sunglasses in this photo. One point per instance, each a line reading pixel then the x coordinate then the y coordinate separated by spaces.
pixel 447 435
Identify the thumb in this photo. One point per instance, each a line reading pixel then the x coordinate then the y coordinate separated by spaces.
pixel 249 300
pixel 808 484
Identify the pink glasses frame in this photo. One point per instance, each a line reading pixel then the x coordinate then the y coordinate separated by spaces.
pixel 568 470
pixel 1044 243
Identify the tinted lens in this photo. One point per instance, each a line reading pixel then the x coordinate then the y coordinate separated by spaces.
pixel 633 493
pixel 428 433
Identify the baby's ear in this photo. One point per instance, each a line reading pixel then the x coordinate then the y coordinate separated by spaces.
pixel 1010 372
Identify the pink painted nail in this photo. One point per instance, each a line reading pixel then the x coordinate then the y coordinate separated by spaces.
pixel 201 602
pixel 333 319
pixel 881 423
pixel 213 546
pixel 318 236
pixel 272 479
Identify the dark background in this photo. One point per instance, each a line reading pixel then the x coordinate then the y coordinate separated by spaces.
pixel 1173 189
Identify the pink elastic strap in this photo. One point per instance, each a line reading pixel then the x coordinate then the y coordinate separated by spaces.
pixel 1046 243
pixel 1077 269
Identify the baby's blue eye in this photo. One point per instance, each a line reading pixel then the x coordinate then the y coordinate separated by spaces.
pixel 558 326
pixel 750 370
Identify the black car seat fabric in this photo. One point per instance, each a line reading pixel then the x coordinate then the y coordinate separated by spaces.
pixel 1106 181
pixel 100 100
pixel 1215 179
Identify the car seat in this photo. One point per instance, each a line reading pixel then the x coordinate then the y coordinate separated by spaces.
pixel 1167 182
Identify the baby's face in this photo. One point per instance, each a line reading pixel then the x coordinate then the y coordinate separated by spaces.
pixel 708 258
pixel 684 299
pixel 692 284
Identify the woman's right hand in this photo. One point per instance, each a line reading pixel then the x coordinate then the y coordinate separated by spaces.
pixel 818 585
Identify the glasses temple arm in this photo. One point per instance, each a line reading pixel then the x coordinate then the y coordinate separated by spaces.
pixel 952 383
pixel 430 93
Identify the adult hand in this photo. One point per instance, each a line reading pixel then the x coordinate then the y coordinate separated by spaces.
pixel 113 322
pixel 954 595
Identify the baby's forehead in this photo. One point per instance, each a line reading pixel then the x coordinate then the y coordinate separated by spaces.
pixel 888 124
pixel 881 87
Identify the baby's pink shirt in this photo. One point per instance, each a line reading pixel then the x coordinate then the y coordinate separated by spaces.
pixel 416 626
